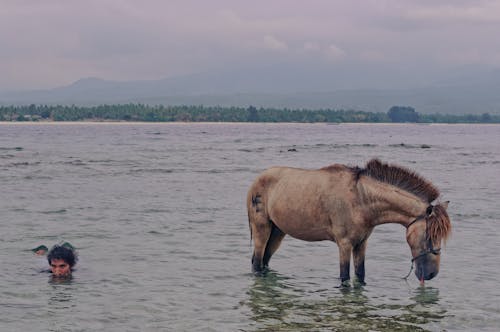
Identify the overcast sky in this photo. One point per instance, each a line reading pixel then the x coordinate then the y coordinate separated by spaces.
pixel 51 43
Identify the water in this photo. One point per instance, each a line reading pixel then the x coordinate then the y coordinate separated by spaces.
pixel 157 212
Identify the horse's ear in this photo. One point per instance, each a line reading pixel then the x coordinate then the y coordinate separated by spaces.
pixel 445 205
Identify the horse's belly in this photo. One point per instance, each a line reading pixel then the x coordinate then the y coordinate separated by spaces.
pixel 312 236
pixel 305 231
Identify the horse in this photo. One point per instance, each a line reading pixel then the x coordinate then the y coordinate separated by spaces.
pixel 343 204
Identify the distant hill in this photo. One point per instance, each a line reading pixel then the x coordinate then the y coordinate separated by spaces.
pixel 474 93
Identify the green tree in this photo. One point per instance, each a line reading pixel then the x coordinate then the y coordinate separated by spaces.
pixel 253 115
pixel 486 117
pixel 402 114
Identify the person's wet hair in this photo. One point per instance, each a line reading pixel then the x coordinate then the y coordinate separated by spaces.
pixel 64 253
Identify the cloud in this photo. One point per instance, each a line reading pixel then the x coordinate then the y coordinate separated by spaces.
pixel 152 39
pixel 334 53
pixel 486 12
pixel 430 15
pixel 272 43
pixel 311 47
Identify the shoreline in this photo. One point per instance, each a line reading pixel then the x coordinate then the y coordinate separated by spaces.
pixel 91 122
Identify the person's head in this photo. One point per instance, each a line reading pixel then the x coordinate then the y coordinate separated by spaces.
pixel 61 260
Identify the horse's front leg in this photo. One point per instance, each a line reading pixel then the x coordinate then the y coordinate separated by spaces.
pixel 358 254
pixel 345 249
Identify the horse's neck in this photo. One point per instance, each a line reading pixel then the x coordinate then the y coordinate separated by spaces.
pixel 384 203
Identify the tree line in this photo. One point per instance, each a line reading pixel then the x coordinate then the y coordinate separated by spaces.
pixel 161 113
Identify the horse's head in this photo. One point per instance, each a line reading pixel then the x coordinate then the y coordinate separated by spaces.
pixel 424 235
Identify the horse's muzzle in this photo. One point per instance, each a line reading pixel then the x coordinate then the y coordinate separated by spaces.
pixel 426 269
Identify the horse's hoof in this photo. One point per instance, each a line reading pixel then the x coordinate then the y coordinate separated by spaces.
pixel 259 271
pixel 344 284
pixel 260 274
pixel 359 283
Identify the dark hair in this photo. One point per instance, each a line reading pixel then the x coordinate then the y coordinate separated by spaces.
pixel 64 253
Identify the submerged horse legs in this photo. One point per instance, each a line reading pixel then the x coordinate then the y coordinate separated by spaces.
pixel 266 235
pixel 345 249
pixel 358 254
pixel 267 238
pixel 261 231
pixel 273 243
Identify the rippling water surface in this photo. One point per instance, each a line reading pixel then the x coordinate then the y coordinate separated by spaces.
pixel 157 213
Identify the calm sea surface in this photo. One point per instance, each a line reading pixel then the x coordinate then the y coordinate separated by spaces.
pixel 157 213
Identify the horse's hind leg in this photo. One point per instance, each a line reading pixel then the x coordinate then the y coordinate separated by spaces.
pixel 261 230
pixel 273 243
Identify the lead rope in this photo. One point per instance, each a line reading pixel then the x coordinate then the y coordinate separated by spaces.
pixel 413 259
pixel 411 269
pixel 412 263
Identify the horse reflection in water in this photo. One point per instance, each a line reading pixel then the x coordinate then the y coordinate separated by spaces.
pixel 276 304
pixel 343 204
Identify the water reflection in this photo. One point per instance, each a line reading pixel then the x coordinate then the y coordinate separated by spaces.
pixel 425 307
pixel 61 305
pixel 277 305
pixel 270 298
pixel 61 296
pixel 426 295
pixel 60 280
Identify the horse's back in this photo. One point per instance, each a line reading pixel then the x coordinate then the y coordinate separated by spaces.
pixel 289 176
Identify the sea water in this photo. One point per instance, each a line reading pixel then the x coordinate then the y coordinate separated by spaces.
pixel 157 213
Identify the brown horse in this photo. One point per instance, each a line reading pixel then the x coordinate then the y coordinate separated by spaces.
pixel 343 204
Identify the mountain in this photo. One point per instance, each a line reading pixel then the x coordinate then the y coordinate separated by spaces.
pixel 463 92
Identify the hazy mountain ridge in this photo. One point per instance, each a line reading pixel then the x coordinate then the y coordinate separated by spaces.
pixel 474 93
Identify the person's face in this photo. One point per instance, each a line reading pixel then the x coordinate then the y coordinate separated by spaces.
pixel 60 268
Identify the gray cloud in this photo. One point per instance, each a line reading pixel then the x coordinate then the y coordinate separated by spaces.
pixel 55 42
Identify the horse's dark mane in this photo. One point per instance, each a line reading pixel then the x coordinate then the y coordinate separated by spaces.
pixel 400 177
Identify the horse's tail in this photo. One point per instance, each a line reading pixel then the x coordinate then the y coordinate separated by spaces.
pixel 251 199
pixel 254 207
pixel 257 201
pixel 250 227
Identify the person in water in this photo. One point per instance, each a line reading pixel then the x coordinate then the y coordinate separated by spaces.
pixel 62 259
